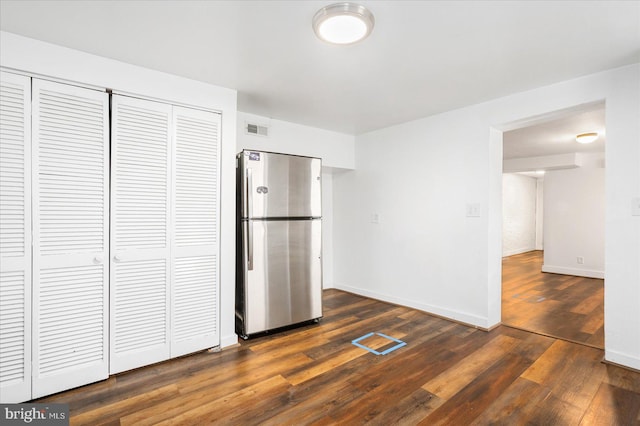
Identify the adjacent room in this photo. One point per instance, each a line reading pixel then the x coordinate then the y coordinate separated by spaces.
pixel 250 212
pixel 553 226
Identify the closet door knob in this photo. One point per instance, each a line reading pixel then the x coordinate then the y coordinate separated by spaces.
pixel 117 258
pixel 97 259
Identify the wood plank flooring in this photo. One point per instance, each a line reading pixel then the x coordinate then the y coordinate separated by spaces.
pixel 564 306
pixel 447 374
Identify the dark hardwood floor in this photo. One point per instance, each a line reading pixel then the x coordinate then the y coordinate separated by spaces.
pixel 447 374
pixel 563 306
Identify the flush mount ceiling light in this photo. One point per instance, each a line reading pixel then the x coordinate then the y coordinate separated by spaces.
pixel 343 23
pixel 586 137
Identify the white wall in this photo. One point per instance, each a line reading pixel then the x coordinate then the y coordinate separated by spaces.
pixel 519 195
pixel 36 57
pixel 327 230
pixel 419 178
pixel 337 153
pixel 424 252
pixel 540 214
pixel 574 218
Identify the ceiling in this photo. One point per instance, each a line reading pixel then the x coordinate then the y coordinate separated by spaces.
pixel 557 135
pixel 422 58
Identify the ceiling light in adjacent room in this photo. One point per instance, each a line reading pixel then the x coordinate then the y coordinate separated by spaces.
pixel 343 23
pixel 586 137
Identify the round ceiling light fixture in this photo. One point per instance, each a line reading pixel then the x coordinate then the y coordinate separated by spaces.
pixel 586 137
pixel 343 23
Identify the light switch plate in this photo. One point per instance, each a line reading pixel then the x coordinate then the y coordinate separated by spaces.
pixel 473 210
pixel 635 206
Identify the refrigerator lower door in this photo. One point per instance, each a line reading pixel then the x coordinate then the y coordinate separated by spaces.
pixel 282 273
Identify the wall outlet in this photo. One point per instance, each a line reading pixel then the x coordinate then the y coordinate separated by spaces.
pixel 580 260
pixel 375 218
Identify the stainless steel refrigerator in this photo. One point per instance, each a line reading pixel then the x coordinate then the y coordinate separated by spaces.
pixel 279 241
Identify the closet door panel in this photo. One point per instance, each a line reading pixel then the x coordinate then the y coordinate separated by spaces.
pixel 70 236
pixel 195 254
pixel 140 232
pixel 15 238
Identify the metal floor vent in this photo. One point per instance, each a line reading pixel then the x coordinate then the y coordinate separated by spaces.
pixel 256 129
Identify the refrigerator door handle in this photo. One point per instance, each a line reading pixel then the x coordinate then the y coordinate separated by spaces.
pixel 249 212
pixel 250 245
pixel 248 198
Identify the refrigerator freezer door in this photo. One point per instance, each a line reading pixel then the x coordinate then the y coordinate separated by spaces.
pixel 284 286
pixel 279 186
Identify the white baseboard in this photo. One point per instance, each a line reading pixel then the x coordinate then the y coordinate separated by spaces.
pixel 517 251
pixel 573 271
pixel 622 359
pixel 327 285
pixel 461 317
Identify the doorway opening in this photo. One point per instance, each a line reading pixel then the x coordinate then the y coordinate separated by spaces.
pixel 553 227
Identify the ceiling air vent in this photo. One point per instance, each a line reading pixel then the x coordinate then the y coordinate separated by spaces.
pixel 256 129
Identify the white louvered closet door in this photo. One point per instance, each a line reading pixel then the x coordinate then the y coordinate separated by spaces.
pixel 194 255
pixel 140 224
pixel 70 236
pixel 15 238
